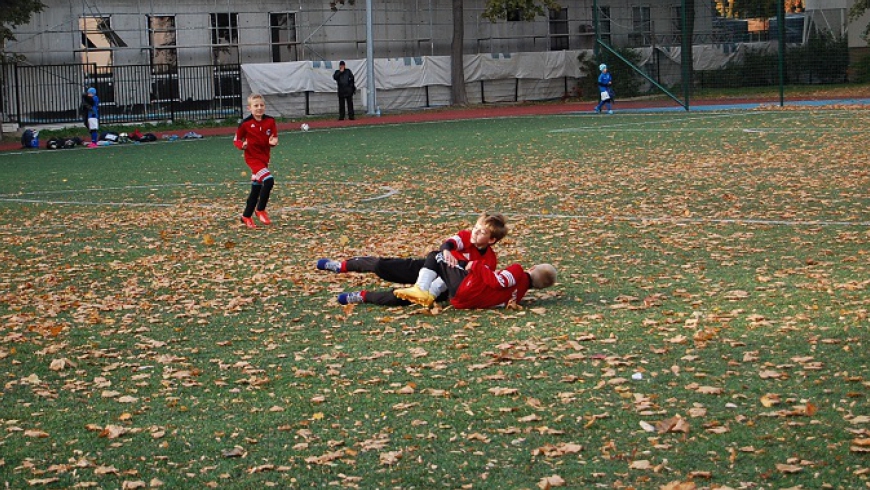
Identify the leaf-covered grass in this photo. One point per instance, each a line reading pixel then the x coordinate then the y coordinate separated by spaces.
pixel 709 324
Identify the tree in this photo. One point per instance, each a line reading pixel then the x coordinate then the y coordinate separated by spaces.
pixel 495 10
pixel 457 66
pixel 13 14
pixel 857 11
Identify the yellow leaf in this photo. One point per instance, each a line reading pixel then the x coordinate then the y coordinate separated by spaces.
pixel 770 400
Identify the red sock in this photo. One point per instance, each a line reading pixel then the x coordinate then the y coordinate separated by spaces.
pixel 344 267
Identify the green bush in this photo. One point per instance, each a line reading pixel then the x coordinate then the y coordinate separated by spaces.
pixel 626 82
pixel 823 59
pixel 861 70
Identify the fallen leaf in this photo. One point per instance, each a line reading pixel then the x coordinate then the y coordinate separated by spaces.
pixel 551 481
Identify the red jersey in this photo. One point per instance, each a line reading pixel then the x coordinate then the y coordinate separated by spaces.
pixel 484 287
pixel 258 151
pixel 465 251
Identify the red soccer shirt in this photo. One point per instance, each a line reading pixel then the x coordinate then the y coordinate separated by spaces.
pixel 484 287
pixel 258 151
pixel 465 251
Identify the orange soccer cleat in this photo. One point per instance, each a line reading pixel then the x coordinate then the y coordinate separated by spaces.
pixel 263 217
pixel 248 222
pixel 415 295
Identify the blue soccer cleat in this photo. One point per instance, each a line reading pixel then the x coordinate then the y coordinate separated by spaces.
pixel 352 298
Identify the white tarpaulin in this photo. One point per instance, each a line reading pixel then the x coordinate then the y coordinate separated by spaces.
pixel 411 72
pixel 306 87
pixel 716 56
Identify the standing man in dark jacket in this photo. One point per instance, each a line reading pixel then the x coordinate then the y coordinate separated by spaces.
pixel 346 88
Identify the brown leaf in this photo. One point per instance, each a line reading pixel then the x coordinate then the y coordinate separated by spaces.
pixel 860 445
pixel 478 437
pixel 42 481
pixel 390 458
pixel 679 485
pixel 549 482
pixel 61 364
pixel 235 452
pixel 673 424
pixel 503 391
pixel 112 432
pixel 770 400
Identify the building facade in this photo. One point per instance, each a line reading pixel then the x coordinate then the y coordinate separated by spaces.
pixel 194 33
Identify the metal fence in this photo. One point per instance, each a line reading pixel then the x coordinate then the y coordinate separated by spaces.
pixel 51 94
pixel 650 50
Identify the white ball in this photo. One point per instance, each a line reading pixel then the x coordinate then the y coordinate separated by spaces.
pixel 305 126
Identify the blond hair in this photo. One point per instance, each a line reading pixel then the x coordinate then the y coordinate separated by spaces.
pixel 542 275
pixel 255 96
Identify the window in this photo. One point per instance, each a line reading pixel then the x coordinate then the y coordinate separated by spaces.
pixel 225 38
pixel 164 57
pixel 604 24
pixel 559 30
pixel 98 39
pixel 161 37
pixel 641 26
pixel 283 29
pixel 676 34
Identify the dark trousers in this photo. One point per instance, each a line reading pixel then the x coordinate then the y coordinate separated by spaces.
pixel 452 276
pixel 391 269
pixel 258 197
pixel 348 102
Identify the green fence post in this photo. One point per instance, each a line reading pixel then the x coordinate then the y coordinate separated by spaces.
pixel 780 15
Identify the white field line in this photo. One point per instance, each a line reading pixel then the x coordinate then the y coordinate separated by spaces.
pixel 389 192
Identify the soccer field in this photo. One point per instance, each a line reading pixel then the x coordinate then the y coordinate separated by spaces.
pixel 720 257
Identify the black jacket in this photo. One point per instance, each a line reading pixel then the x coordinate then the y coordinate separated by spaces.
pixel 346 84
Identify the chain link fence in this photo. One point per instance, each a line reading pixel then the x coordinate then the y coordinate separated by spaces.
pixel 689 51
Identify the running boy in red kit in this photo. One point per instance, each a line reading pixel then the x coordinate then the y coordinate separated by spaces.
pixel 256 136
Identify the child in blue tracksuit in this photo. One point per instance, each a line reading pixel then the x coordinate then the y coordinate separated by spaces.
pixel 91 114
pixel 605 85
